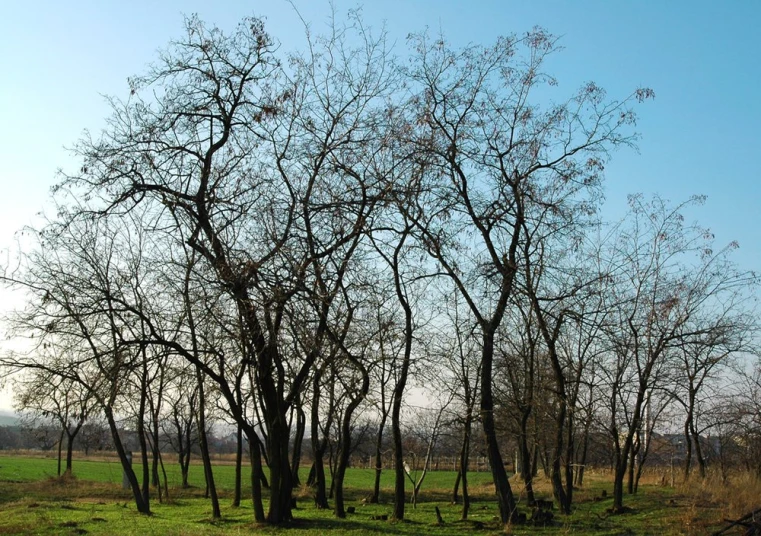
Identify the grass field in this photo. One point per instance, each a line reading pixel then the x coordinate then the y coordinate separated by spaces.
pixel 34 501
pixel 28 469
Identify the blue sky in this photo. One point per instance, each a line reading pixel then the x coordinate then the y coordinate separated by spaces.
pixel 701 135
pixel 703 59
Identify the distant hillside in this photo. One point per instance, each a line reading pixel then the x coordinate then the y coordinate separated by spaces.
pixel 8 418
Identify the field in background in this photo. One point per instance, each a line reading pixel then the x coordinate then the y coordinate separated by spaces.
pixel 34 501
pixel 106 469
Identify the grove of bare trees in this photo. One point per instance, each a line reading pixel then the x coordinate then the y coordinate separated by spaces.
pixel 294 243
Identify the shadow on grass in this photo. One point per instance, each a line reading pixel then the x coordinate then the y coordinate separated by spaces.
pixel 320 525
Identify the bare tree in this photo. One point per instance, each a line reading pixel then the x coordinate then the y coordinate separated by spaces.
pixel 519 371
pixel 58 399
pixel 428 428
pixel 84 277
pixel 394 244
pixel 665 283
pixel 492 159
pixel 321 428
pixel 268 174
pixel 179 426
pixel 384 369
pixel 723 329
pixel 460 353
pixel 356 387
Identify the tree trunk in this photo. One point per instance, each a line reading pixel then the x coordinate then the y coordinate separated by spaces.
pixel 632 465
pixel 345 451
pixel 562 495
pixel 184 459
pixel 204 445
pixel 582 459
pixel 569 456
pixel 163 472
pixel 155 478
pixel 255 454
pixel 332 463
pixel 527 470
pixel 375 496
pixel 281 483
pixel 321 493
pixel 396 409
pixel 142 505
pixel 535 460
pixel 69 452
pixel 141 435
pixel 622 453
pixel 401 381
pixel 238 466
pixel 618 486
pixel 456 488
pixel 621 465
pixel 688 450
pixel 698 451
pixel 317 474
pixel 301 421
pixel 505 499
pixel 556 473
pixel 462 474
pixel 60 449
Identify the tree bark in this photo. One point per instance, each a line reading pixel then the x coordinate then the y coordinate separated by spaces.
pixel 301 421
pixel 582 459
pixel 142 505
pixel 216 513
pixel 505 499
pixel 317 474
pixel 255 453
pixel 375 496
pixel 140 429
pixel 238 466
pixel 345 451
pixel 456 488
pixel 396 409
pixel 60 449
pixel 527 469
pixel 281 483
pixel 698 450
pixel 69 451
pixel 463 473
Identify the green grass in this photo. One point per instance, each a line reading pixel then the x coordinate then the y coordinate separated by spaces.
pixel 34 501
pixel 29 469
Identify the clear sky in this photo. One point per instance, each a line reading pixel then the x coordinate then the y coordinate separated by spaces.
pixel 701 135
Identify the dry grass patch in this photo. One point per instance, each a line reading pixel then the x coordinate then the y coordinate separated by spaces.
pixel 714 499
